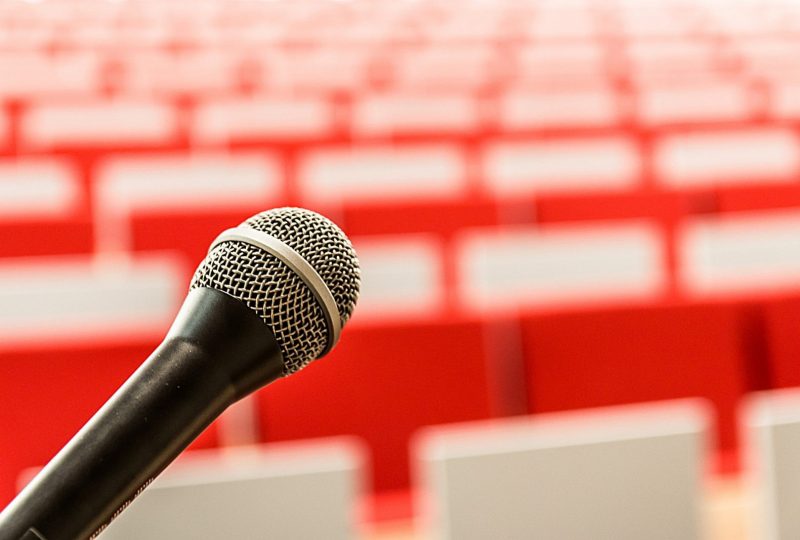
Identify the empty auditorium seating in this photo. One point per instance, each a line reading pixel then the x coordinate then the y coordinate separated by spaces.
pixel 71 331
pixel 606 190
pixel 593 358
pixel 181 202
pixel 365 388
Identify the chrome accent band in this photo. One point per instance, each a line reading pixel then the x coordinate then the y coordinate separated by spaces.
pixel 298 265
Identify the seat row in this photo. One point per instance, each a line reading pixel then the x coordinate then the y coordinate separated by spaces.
pixel 100 25
pixel 74 165
pixel 357 71
pixel 630 472
pixel 386 380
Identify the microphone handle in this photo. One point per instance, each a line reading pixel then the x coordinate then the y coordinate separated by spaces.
pixel 217 351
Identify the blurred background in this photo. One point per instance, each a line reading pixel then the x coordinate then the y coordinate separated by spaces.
pixel 558 205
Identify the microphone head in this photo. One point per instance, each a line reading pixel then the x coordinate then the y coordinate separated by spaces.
pixel 296 269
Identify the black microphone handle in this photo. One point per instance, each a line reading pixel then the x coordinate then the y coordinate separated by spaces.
pixel 217 351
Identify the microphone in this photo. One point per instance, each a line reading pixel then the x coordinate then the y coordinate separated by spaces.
pixel 271 296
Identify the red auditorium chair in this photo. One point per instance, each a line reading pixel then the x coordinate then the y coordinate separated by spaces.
pixel 598 358
pixel 382 383
pixel 43 208
pixel 667 209
pixel 174 201
pixel 47 393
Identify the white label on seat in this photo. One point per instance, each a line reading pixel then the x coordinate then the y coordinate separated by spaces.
pixel 383 172
pixel 219 121
pixel 508 270
pixel 704 102
pixel 98 124
pixel 27 74
pixel 784 100
pixel 753 252
pixel 189 182
pixel 31 188
pixel 726 157
pixel 400 276
pixel 389 114
pixel 536 110
pixel 5 128
pixel 514 168
pixel 69 299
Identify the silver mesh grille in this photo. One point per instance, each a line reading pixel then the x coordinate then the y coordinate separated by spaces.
pixel 275 292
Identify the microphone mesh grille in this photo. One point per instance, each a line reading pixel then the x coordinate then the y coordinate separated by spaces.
pixel 275 292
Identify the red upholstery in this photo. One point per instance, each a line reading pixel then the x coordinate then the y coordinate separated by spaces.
pixel 782 331
pixel 665 207
pixel 46 237
pixel 191 233
pixel 382 383
pixel 759 197
pixel 47 394
pixel 599 358
pixel 421 217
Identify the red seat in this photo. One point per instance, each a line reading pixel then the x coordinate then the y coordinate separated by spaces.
pixel 418 217
pixel 599 358
pixel 26 238
pixel 191 233
pixel 781 324
pixel 759 197
pixel 665 207
pixel 382 383
pixel 47 394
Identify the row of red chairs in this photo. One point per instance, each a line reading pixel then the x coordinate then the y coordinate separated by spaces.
pixel 337 73
pixel 456 370
pixel 320 21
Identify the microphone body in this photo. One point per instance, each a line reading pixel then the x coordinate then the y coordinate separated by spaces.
pixel 217 351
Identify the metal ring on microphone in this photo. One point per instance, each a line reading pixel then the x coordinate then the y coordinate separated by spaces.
pixel 299 266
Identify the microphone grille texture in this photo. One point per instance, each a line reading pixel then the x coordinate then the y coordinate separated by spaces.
pixel 276 292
